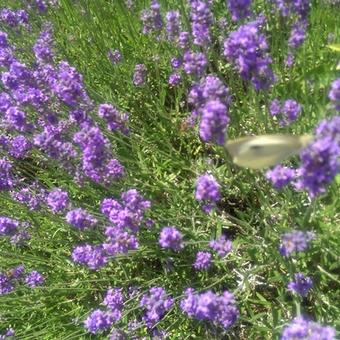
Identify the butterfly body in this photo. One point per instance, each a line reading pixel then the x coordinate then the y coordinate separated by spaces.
pixel 257 152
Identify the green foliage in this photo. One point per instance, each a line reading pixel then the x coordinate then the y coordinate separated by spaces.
pixel 163 159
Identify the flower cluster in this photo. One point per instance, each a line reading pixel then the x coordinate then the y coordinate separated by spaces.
pixel 115 119
pixel 17 275
pixel 119 241
pixel 57 200
pixel 287 8
pixel 195 63
pixel 156 303
pixel 52 90
pixel 139 75
pixel 97 161
pixel 208 191
pixel 210 100
pixel 92 256
pixel 16 230
pixel 128 214
pixel 126 217
pixel 14 18
pixel 302 328
pixel 98 321
pixel 201 21
pixel 203 260
pixel 287 112
pixel 80 219
pixel 320 160
pixel 33 196
pixel 334 94
pixel 43 47
pixel 222 246
pixel 301 285
pixel 280 176
pixel 248 50
pixel 173 25
pixel 295 241
pixel 208 306
pixel 6 175
pixel 114 56
pixel 152 19
pixel 240 9
pixel 171 238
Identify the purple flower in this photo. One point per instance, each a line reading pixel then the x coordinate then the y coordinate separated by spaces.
pixel 43 47
pixel 171 238
pixel 289 7
pixel 20 238
pixel 201 21
pixel 195 63
pixel 287 112
pixel 175 79
pixel 98 321
pixel 240 9
pixel 6 285
pixel 14 18
pixel 57 200
pixel 115 119
pixel 114 300
pixel 297 35
pixel 203 260
pixel 214 122
pixel 184 40
pixel 91 256
pixel 6 177
pixel 289 61
pixel 139 75
pixel 80 219
pixel 151 18
pixel 19 146
pixel 248 50
pixel 295 241
pixel 207 188
pixel 290 110
pixel 8 226
pixel 68 86
pixel 119 241
pixel 320 160
pixel 114 56
pixel 156 304
pixel 334 94
pixel 301 285
pixel 16 119
pixel 3 40
pixel 222 246
pixel 10 333
pixel 34 279
pixel 130 213
pixel 172 24
pixel 301 328
pixel 114 171
pixel 5 102
pixel 17 272
pixel 280 176
pixel 210 88
pixel 220 309
pixel 176 62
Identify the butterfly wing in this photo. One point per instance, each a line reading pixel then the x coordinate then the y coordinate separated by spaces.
pixel 257 152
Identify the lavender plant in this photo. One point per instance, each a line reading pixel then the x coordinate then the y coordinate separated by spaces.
pixel 111 222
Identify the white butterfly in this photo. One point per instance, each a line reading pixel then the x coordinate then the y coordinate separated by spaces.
pixel 258 152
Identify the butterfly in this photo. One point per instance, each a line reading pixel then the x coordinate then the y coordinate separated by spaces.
pixel 258 152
